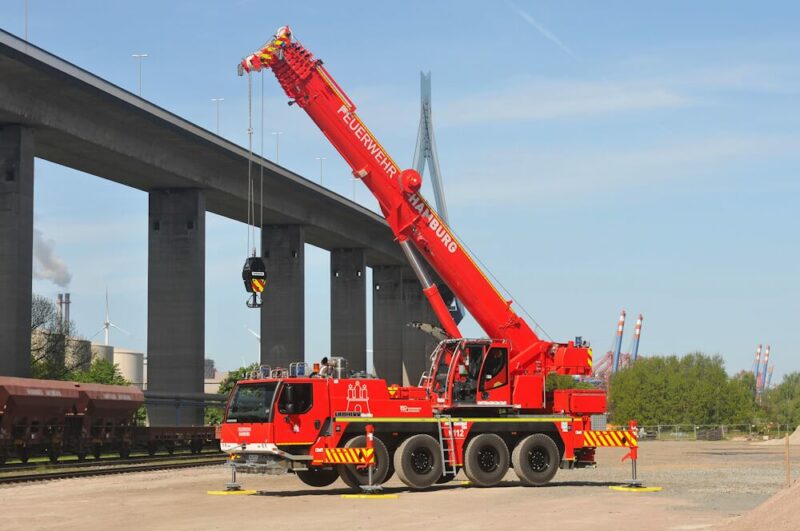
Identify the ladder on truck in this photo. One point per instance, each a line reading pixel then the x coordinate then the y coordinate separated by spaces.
pixel 447 444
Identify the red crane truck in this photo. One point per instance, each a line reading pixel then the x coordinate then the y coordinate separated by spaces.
pixel 483 405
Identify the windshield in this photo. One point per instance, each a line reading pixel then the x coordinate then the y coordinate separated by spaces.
pixel 252 403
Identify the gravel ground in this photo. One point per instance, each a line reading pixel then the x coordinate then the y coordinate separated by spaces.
pixel 705 484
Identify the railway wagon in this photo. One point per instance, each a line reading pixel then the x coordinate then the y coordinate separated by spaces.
pixel 38 416
pixel 53 418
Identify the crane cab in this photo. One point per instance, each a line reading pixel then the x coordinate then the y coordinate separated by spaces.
pixel 470 373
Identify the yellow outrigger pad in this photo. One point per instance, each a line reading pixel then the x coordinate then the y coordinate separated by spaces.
pixel 368 496
pixel 635 489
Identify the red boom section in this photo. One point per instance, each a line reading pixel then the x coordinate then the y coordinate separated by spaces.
pixel 309 85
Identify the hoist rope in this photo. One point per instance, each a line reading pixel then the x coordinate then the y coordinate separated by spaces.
pixel 250 192
pixel 261 163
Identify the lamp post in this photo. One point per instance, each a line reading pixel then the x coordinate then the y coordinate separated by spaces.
pixel 277 135
pixel 321 160
pixel 217 101
pixel 139 56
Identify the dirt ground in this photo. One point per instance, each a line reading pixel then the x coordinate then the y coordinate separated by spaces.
pixel 705 485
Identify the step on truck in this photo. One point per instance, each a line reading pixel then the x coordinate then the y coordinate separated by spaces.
pixel 483 405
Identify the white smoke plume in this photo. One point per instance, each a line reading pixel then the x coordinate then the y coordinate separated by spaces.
pixel 46 265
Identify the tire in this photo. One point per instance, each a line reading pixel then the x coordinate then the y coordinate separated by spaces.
pixel 536 459
pixel 418 461
pixel 318 477
pixel 446 478
pixel 486 460
pixel 355 477
pixel 124 451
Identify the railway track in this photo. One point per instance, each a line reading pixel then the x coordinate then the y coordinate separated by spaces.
pixel 109 469
pixel 104 461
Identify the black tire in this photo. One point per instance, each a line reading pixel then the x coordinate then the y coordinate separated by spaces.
pixel 418 461
pixel 536 459
pixel 318 477
pixel 355 477
pixel 486 460
pixel 446 478
pixel 124 451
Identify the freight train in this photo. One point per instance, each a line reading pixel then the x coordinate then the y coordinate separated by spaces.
pixel 54 418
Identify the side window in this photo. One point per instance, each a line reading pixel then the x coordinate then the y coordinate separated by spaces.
pixel 296 398
pixel 495 369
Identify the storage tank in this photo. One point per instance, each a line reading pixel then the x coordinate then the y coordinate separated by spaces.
pixel 102 352
pixel 131 365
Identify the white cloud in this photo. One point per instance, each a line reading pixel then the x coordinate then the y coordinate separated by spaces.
pixel 547 34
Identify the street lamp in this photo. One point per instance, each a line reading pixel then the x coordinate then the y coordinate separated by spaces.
pixel 320 159
pixel 277 146
pixel 26 22
pixel 218 101
pixel 139 56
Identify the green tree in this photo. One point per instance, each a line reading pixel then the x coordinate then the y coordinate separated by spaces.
pixel 56 349
pixel 213 415
pixel 693 389
pixel 564 381
pixel 100 371
pixel 782 403
pixel 226 385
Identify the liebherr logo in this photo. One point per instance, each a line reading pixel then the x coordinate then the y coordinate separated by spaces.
pixel 433 222
pixel 370 143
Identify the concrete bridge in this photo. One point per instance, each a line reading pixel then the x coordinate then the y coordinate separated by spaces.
pixel 56 111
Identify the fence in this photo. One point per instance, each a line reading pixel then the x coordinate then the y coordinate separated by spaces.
pixel 712 432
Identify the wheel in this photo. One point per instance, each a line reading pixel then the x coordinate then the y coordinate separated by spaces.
pixel 23 454
pixel 418 461
pixel 170 447
pixel 446 478
pixel 53 454
pixel 2 459
pixel 125 451
pixel 355 477
pixel 81 455
pixel 318 477
pixel 196 446
pixel 97 450
pixel 486 460
pixel 151 448
pixel 536 459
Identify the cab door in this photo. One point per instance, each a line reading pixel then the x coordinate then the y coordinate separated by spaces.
pixel 493 387
pixel 301 412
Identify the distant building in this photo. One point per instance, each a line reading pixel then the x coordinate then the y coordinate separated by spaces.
pixel 213 377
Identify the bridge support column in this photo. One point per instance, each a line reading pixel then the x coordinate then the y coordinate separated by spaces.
pixel 176 300
pixel 349 307
pixel 16 249
pixel 417 345
pixel 283 308
pixel 387 323
pixel 400 353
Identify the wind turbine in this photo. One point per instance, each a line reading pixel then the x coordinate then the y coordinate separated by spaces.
pixel 107 324
pixel 256 334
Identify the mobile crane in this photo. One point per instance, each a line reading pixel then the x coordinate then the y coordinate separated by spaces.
pixel 483 406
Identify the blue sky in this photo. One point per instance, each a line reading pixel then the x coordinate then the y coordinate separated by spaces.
pixel 595 156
